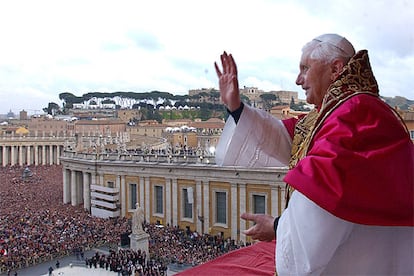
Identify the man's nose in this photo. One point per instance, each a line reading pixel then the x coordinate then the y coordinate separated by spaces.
pixel 299 80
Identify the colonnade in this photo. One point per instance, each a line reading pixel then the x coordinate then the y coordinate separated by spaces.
pixel 30 154
pixel 105 189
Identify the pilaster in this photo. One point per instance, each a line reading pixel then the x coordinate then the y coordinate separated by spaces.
pixel 206 204
pixel 242 200
pixel 86 192
pixel 168 197
pixel 66 187
pixel 234 216
pixel 147 198
pixel 174 201
pixel 123 195
pixel 74 190
pixel 199 207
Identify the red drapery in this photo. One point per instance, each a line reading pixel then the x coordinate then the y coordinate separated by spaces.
pixel 257 259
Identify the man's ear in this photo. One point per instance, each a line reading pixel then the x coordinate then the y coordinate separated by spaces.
pixel 336 68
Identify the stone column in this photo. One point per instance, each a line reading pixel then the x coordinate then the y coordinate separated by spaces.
pixel 66 187
pixel 44 155
pixel 147 199
pixel 86 192
pixel 274 200
pixel 101 179
pixel 36 155
pixel 58 155
pixel 12 156
pixel 5 151
pixel 206 193
pixel 20 155
pixel 28 157
pixel 234 217
pixel 174 201
pixel 242 208
pixel 282 198
pixel 141 191
pixel 123 195
pixel 51 155
pixel 199 208
pixel 74 190
pixel 168 206
pixel 93 179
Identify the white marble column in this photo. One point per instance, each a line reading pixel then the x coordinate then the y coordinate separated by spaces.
pixel 141 191
pixel 147 199
pixel 51 155
pixel 20 161
pixel 12 156
pixel 44 155
pixel 282 198
pixel 58 155
pixel 233 211
pixel 274 200
pixel 73 187
pixel 199 207
pixel 174 201
pixel 206 193
pixel 36 155
pixel 242 207
pixel 5 151
pixel 101 179
pixel 66 186
pixel 123 195
pixel 86 192
pixel 168 205
pixel 28 157
pixel 93 179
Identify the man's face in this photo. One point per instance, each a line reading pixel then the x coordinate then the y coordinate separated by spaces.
pixel 315 78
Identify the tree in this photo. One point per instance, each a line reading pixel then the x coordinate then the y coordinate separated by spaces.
pixel 52 108
pixel 292 102
pixel 268 99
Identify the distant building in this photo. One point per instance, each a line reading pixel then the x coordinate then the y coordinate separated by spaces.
pixel 147 128
pixel 286 97
pixel 253 93
pixel 89 114
pixel 47 127
pixel 282 97
pixel 23 115
pixel 177 123
pixel 105 127
pixel 408 117
pixel 129 115
pixel 10 115
pixel 194 92
pixel 284 112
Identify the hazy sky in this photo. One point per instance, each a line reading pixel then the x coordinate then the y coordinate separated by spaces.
pixel 50 47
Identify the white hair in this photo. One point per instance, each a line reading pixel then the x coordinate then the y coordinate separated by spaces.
pixel 328 47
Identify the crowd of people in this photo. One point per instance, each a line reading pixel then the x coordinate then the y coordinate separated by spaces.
pixel 127 262
pixel 168 245
pixel 36 226
pixel 179 246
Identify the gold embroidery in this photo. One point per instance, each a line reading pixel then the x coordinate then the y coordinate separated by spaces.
pixel 302 129
pixel 355 78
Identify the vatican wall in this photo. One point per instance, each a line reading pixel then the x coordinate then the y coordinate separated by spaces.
pixel 204 197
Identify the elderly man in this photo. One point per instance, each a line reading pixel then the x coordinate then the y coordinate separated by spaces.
pixel 351 178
